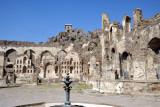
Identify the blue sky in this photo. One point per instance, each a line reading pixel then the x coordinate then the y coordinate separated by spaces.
pixel 38 20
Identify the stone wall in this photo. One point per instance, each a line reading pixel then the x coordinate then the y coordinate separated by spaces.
pixel 114 59
pixel 127 87
pixel 1 64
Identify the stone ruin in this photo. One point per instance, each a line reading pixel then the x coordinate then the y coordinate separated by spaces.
pixel 114 59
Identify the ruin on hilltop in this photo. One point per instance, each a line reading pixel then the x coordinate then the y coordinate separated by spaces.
pixel 114 59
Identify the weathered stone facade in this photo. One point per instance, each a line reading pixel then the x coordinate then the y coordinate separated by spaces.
pixel 115 59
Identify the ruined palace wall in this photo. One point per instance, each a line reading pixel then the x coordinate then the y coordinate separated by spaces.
pixel 21 50
pixel 37 50
pixel 143 53
pixel 127 87
pixel 1 64
pixel 148 33
pixel 130 58
pixel 72 64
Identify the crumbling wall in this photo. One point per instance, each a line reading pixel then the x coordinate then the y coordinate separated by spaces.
pixel 111 58
pixel 127 87
pixel 23 69
pixel 1 64
pixel 137 17
pixel 126 23
pixel 127 50
pixel 105 21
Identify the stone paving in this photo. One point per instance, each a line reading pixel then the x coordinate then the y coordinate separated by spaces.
pixel 14 96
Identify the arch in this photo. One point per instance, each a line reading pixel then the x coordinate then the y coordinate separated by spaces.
pixel 45 70
pixel 62 51
pixel 17 61
pixel 116 75
pixel 127 24
pixel 46 52
pixel 61 54
pixel 71 61
pixel 110 29
pixel 46 55
pixel 31 55
pixel 105 21
pixel 30 50
pixel 73 55
pixel 56 69
pixel 24 69
pixel 71 69
pixel 48 70
pixel 113 50
pixel 154 44
pixel 24 60
pixel 110 36
pixel 128 19
pixel 11 55
pixel 124 55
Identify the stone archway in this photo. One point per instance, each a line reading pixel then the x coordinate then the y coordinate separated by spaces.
pixel 48 71
pixel 24 60
pixel 71 61
pixel 24 69
pixel 154 44
pixel 124 63
pixel 11 55
pixel 71 69
pixel 124 55
pixel 61 55
pixel 56 69
pixel 31 54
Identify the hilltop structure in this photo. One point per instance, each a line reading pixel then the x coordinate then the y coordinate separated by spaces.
pixel 115 59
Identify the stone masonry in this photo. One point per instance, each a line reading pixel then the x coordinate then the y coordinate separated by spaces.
pixel 115 59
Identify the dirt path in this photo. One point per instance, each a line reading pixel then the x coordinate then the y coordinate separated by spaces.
pixel 10 97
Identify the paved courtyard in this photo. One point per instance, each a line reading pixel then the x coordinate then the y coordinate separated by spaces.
pixel 14 96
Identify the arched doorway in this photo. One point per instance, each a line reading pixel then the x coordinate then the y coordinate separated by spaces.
pixel 71 69
pixel 31 54
pixel 48 72
pixel 11 55
pixel 71 61
pixel 124 55
pixel 154 44
pixel 56 69
pixel 110 34
pixel 127 25
pixel 61 55
pixel 123 62
pixel 24 60
pixel 113 50
pixel 24 69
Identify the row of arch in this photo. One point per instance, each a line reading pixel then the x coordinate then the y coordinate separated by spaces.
pixel 12 54
pixel 24 70
pixel 24 61
pixel 154 44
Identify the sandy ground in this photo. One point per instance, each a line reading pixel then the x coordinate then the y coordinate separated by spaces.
pixel 14 96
